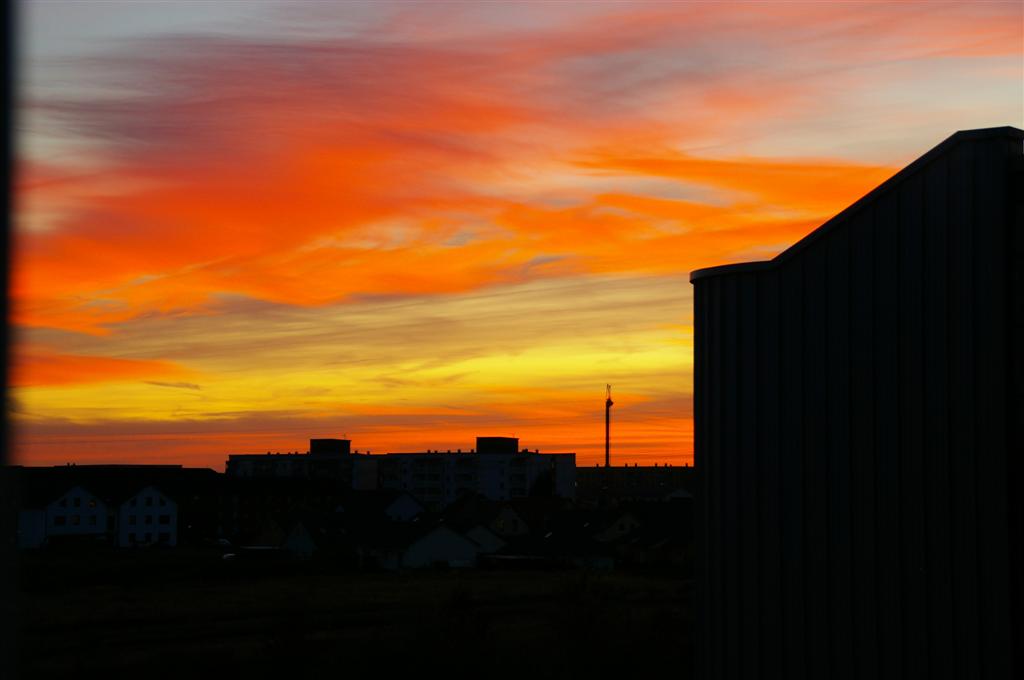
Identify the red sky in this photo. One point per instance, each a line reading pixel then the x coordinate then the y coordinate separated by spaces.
pixel 242 225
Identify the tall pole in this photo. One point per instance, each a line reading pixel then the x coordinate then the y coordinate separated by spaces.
pixel 607 420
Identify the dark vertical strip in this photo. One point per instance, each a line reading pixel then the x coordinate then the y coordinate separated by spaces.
pixel 839 471
pixel 792 466
pixel 862 446
pixel 937 417
pixel 773 604
pixel 700 629
pixel 962 449
pixel 816 454
pixel 1015 418
pixel 730 478
pixel 990 408
pixel 714 485
pixel 887 398
pixel 887 428
pixel 748 560
pixel 914 578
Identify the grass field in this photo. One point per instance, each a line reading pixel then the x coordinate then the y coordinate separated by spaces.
pixel 180 614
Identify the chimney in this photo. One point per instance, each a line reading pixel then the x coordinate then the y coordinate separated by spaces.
pixel 330 448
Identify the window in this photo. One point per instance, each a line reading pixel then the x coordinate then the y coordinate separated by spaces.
pixel 60 520
pixel 92 502
pixel 163 501
pixel 149 519
pixel 75 520
pixel 131 519
pixel 132 537
pixel 92 520
pixel 165 519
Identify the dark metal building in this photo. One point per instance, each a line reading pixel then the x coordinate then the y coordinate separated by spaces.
pixel 859 403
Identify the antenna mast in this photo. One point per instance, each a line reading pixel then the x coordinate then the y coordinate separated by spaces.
pixel 607 421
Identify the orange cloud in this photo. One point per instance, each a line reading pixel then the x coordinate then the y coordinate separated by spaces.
pixel 796 185
pixel 368 164
pixel 36 368
pixel 305 176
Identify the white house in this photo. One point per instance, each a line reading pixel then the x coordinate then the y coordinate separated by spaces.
pixel 78 512
pixel 440 545
pixel 148 518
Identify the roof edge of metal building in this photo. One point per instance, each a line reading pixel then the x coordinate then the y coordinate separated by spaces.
pixel 943 147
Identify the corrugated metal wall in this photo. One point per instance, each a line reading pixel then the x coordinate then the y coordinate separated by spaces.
pixel 858 405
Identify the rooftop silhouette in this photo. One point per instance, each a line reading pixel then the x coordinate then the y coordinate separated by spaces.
pixel 858 404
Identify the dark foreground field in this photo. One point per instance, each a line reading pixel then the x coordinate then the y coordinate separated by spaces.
pixel 178 615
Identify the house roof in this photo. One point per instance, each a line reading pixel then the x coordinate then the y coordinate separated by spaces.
pixel 113 484
pixel 396 535
pixel 472 509
pixel 538 512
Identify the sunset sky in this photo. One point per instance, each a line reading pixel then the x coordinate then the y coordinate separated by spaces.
pixel 240 225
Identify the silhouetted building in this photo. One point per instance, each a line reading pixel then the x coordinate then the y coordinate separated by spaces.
pixel 858 407
pixel 147 517
pixel 258 510
pixel 328 459
pixel 329 448
pixel 116 505
pixel 497 469
pixel 623 483
pixel 76 514
pixel 415 546
pixel 385 529
pixel 501 518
